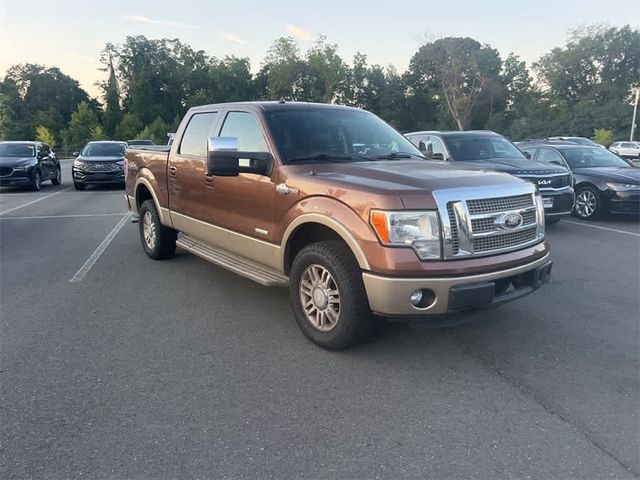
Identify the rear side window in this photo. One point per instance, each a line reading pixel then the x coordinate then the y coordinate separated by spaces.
pixel 200 128
pixel 246 128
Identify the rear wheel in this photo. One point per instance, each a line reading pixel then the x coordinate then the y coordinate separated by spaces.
pixel 588 203
pixel 328 297
pixel 158 241
pixel 57 178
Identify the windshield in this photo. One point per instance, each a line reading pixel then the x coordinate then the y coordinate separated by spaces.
pixel 592 157
pixel 330 134
pixel 104 150
pixel 17 150
pixel 464 148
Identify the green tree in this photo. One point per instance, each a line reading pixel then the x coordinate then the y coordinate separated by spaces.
pixel 97 133
pixel 110 92
pixel 129 127
pixel 324 72
pixel 35 95
pixel 45 135
pixel 156 131
pixel 83 121
pixel 283 69
pixel 462 71
pixel 602 136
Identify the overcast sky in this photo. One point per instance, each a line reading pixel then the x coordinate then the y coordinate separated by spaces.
pixel 70 33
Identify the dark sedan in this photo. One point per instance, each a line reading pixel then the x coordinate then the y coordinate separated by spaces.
pixel 603 181
pixel 28 164
pixel 99 163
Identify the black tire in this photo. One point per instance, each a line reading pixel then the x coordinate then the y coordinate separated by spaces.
pixel 354 318
pixel 79 186
pixel 551 221
pixel 163 245
pixel 57 178
pixel 36 183
pixel 588 204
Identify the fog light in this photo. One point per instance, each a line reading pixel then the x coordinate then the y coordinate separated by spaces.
pixel 416 298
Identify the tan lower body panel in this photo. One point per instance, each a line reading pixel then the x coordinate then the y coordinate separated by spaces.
pixel 390 295
pixel 247 247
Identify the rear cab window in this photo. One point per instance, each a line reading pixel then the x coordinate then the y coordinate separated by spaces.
pixel 194 140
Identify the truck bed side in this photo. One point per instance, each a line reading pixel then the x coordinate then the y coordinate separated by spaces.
pixel 147 168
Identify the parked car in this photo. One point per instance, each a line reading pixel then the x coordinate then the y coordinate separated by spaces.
pixel 100 162
pixel 578 141
pixel 132 143
pixel 343 209
pixel 626 149
pixel 489 150
pixel 603 181
pixel 28 164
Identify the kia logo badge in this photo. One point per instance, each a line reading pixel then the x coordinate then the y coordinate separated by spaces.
pixel 544 182
pixel 510 221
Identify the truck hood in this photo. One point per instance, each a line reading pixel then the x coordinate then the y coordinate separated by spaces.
pixel 411 180
pixel 515 166
pixel 11 162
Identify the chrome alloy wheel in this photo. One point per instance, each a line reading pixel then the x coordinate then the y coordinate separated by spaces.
pixel 319 297
pixel 149 230
pixel 586 203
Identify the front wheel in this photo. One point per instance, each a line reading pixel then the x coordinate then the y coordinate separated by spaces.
pixel 79 186
pixel 36 183
pixel 328 297
pixel 158 241
pixel 57 179
pixel 588 203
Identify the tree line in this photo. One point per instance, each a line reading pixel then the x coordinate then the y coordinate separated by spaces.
pixel 582 88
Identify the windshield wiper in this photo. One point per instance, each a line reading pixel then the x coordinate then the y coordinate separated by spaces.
pixel 326 156
pixel 394 155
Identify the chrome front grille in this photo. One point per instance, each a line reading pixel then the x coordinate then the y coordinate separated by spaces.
pixel 506 240
pixel 480 221
pixel 100 167
pixel 489 205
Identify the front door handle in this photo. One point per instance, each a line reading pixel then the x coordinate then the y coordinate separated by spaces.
pixel 209 182
pixel 173 171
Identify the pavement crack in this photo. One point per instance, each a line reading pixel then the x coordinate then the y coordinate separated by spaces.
pixel 530 393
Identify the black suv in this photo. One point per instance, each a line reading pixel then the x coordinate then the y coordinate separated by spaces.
pixel 491 151
pixel 99 163
pixel 28 164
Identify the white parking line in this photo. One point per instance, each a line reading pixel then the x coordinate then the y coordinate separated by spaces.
pixel 602 228
pixel 84 269
pixel 39 199
pixel 65 216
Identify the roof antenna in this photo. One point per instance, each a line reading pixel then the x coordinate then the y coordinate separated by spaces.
pixel 282 100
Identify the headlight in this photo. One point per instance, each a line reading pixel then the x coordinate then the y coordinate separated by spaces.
pixel 419 230
pixel 623 187
pixel 78 164
pixel 22 168
pixel 120 164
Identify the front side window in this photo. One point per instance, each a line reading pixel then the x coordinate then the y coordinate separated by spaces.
pixel 198 131
pixel 438 147
pixel 549 156
pixel 246 129
pixel 481 147
pixel 335 134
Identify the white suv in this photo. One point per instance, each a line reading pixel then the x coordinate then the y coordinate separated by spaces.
pixel 626 149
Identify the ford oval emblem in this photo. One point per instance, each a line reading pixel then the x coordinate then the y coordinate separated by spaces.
pixel 510 221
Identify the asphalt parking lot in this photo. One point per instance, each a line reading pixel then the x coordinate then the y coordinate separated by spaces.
pixel 116 366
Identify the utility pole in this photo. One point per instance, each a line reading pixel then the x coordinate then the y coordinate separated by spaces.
pixel 635 90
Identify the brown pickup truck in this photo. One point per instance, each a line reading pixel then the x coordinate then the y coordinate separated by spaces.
pixel 337 205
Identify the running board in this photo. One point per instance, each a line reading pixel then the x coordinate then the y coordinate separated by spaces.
pixel 240 265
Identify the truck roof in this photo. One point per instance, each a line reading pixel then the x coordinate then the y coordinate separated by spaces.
pixel 275 105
